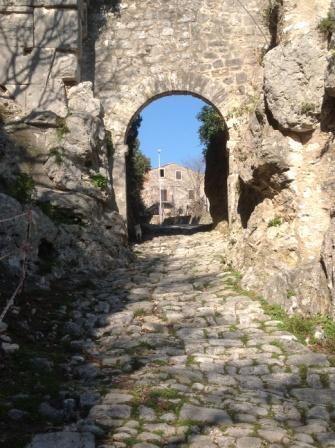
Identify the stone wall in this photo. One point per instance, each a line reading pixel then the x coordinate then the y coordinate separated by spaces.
pixel 178 199
pixel 281 171
pixel 60 167
pixel 40 54
pixel 147 49
pixel 264 65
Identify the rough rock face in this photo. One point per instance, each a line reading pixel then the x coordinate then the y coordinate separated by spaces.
pixel 281 170
pixel 278 195
pixel 63 166
pixel 328 259
pixel 296 104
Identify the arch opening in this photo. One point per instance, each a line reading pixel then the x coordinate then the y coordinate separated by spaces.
pixel 183 187
pixel 157 97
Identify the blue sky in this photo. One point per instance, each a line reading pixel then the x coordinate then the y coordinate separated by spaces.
pixel 170 124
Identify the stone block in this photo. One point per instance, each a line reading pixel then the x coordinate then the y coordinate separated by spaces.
pixel 35 67
pixel 13 66
pixel 15 3
pixel 19 9
pixel 64 439
pixel 16 29
pixel 65 66
pixel 56 3
pixel 56 28
pixel 40 97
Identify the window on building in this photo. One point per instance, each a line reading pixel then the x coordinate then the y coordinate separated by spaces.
pixel 178 175
pixel 162 172
pixel 164 195
pixel 191 194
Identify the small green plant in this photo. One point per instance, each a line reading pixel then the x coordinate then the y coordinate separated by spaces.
pixel 60 215
pixel 324 379
pixel 275 222
pixel 58 155
pixel 308 108
pixel 291 293
pixel 244 109
pixel 190 360
pixel 139 312
pixel 161 400
pixel 61 128
pixel 327 24
pixel 260 54
pixel 23 188
pixel 100 181
pixel 109 144
pixel 278 344
pixel 303 372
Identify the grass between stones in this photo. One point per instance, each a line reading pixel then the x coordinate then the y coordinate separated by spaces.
pixel 303 327
pixel 161 400
pixel 24 382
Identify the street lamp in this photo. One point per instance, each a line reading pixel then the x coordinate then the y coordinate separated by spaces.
pixel 160 186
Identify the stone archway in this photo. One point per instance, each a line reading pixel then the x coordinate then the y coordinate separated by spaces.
pixel 208 48
pixel 122 116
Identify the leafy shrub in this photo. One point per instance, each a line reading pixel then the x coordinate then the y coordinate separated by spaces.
pixel 327 24
pixel 60 215
pixel 58 154
pixel 275 222
pixel 212 125
pixel 109 144
pixel 290 293
pixel 62 128
pixel 99 181
pixel 307 108
pixel 137 165
pixel 23 188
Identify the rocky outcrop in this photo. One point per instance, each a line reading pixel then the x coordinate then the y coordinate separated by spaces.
pixel 328 260
pixel 60 167
pixel 282 170
pixel 294 82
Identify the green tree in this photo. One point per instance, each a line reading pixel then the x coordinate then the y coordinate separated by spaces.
pixel 137 167
pixel 212 125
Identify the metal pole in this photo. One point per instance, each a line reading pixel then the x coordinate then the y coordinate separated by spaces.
pixel 160 186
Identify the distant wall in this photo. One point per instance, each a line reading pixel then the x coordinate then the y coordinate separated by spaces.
pixel 177 189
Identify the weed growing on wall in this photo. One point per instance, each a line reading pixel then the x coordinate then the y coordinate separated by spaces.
pixel 58 155
pixel 275 222
pixel 327 24
pixel 100 181
pixel 308 108
pixel 23 188
pixel 109 144
pixel 61 128
pixel 60 215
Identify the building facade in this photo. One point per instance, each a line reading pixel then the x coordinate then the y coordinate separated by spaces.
pixel 181 190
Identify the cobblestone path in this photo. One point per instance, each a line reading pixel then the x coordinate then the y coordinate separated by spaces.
pixel 187 361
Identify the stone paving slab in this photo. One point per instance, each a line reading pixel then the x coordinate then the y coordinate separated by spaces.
pixel 64 439
pixel 183 359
